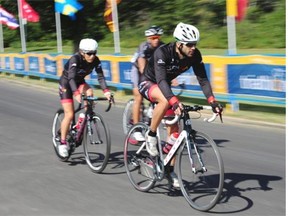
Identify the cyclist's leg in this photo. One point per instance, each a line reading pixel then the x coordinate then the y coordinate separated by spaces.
pixel 68 116
pixel 68 107
pixel 136 113
pixel 136 105
pixel 151 92
pixel 160 108
pixel 137 96
pixel 85 89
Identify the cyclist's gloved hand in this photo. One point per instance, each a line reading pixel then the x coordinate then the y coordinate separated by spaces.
pixel 216 107
pixel 177 108
pixel 107 94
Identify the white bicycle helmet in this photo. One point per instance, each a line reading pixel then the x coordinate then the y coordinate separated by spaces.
pixel 185 33
pixel 153 30
pixel 88 45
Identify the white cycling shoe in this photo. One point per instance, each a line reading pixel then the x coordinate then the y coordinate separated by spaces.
pixel 138 136
pixel 151 145
pixel 174 179
pixel 63 150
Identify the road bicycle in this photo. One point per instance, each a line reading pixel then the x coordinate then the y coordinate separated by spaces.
pixel 145 112
pixel 93 133
pixel 198 162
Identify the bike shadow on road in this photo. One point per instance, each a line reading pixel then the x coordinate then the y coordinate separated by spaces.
pixel 76 159
pixel 115 164
pixel 220 142
pixel 235 186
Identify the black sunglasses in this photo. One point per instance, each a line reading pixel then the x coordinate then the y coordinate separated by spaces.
pixel 191 44
pixel 91 53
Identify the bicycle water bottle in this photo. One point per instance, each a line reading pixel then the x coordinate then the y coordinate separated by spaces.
pixel 172 139
pixel 81 118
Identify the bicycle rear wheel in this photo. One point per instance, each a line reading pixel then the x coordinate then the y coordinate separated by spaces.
pixel 56 133
pixel 127 119
pixel 97 144
pixel 202 189
pixel 139 167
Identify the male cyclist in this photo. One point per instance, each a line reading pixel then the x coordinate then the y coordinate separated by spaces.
pixel 167 62
pixel 72 83
pixel 139 60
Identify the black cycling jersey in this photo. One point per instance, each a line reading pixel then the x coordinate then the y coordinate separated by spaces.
pixel 77 68
pixel 165 65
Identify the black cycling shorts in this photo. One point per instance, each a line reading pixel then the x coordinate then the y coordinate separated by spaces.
pixel 65 92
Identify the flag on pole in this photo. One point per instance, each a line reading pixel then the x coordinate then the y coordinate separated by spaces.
pixel 29 13
pixel 108 14
pixel 8 19
pixel 68 7
pixel 242 6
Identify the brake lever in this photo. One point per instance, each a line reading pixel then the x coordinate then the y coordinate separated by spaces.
pixel 111 101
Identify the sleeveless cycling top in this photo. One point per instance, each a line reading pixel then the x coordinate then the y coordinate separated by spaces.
pixel 145 50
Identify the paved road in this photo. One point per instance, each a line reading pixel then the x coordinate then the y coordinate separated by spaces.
pixel 34 182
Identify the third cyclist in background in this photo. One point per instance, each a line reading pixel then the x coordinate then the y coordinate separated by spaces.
pixel 168 62
pixel 139 60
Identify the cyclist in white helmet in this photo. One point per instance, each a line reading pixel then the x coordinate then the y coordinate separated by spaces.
pixel 139 60
pixel 168 62
pixel 72 83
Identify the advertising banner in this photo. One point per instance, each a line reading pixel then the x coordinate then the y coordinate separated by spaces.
pixel 106 67
pixel 257 79
pixel 50 66
pixel 188 77
pixel 19 63
pixel 33 63
pixel 7 63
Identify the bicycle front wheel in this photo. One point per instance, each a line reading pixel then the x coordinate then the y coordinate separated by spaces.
pixel 56 133
pixel 201 182
pixel 97 144
pixel 139 167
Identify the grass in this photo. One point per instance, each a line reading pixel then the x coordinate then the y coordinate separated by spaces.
pixel 261 113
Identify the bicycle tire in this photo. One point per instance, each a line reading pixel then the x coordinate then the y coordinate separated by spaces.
pixel 203 189
pixel 97 144
pixel 139 168
pixel 127 120
pixel 56 127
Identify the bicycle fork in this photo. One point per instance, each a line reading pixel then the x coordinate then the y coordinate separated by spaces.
pixel 202 168
pixel 90 131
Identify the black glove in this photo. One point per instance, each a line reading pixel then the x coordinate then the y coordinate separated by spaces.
pixel 175 106
pixel 216 107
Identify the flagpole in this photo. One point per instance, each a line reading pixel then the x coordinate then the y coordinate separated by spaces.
pixel 231 10
pixel 22 32
pixel 115 27
pixel 2 39
pixel 58 32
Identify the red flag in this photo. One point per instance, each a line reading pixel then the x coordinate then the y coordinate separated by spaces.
pixel 242 6
pixel 29 13
pixel 108 14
